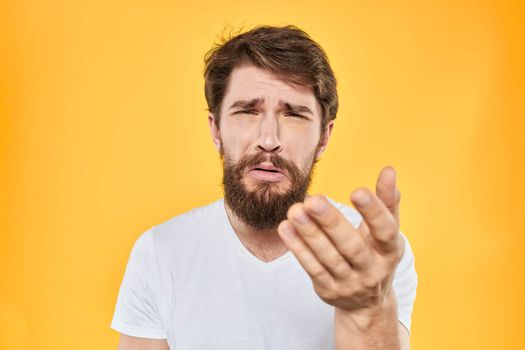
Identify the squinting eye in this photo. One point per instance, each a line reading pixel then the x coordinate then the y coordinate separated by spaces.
pixel 247 111
pixel 296 115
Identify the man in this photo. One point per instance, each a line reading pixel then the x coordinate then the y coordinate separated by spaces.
pixel 269 267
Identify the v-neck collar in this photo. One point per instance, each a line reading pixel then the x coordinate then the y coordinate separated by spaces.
pixel 244 252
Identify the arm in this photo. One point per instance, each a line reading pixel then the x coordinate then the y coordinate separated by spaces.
pixel 379 331
pixel 404 337
pixel 137 314
pixel 133 343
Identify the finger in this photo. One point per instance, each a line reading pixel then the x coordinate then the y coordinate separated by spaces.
pixel 304 255
pixel 318 242
pixel 387 191
pixel 347 240
pixel 380 221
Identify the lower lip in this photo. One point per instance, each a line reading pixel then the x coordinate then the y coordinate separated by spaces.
pixel 266 175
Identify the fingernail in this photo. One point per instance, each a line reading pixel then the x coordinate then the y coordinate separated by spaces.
pixel 287 231
pixel 361 199
pixel 318 206
pixel 301 217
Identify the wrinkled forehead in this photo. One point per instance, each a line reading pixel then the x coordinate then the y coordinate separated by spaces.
pixel 265 88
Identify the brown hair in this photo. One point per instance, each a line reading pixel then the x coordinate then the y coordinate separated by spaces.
pixel 286 51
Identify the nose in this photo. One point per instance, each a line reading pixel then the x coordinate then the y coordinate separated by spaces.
pixel 269 140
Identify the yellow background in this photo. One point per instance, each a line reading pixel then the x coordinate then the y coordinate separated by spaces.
pixel 104 134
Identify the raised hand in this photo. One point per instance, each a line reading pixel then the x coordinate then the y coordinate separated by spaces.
pixel 351 268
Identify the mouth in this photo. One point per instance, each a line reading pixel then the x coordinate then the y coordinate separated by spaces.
pixel 266 172
pixel 268 167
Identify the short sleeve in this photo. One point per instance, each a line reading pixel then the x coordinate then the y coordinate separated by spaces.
pixel 405 284
pixel 137 309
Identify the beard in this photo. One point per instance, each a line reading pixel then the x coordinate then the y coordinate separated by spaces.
pixel 265 205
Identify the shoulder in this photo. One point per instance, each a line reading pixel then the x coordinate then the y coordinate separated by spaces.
pixel 193 221
pixel 176 242
pixel 183 233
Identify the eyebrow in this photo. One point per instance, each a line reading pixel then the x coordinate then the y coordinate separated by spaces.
pixel 255 101
pixel 298 108
pixel 246 103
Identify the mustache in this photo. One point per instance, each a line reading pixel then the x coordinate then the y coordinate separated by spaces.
pixel 257 158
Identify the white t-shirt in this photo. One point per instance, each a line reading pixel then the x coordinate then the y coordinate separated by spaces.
pixel 191 281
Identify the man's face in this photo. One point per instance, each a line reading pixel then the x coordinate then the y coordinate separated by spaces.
pixel 269 140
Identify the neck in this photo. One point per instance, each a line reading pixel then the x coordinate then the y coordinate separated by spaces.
pixel 265 244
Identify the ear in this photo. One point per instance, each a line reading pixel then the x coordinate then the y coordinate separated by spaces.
pixel 323 143
pixel 215 132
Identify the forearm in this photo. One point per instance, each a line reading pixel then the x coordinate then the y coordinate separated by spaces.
pixel 368 329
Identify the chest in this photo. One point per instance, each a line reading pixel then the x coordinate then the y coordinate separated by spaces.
pixel 241 306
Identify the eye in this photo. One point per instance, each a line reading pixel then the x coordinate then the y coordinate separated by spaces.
pixel 246 111
pixel 296 115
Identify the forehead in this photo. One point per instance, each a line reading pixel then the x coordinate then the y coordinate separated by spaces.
pixel 248 82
